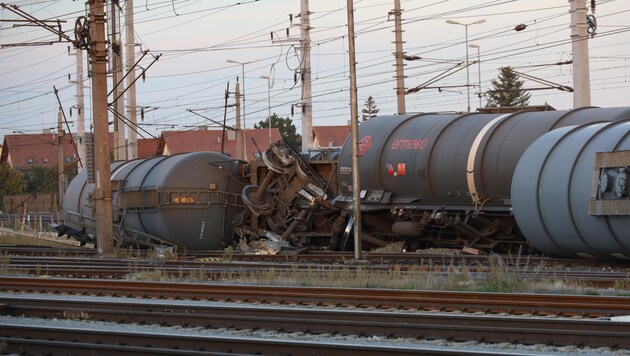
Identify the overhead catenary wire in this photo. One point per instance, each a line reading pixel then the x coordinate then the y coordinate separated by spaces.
pixel 172 105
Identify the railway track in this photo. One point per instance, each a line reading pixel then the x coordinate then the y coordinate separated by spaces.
pixel 391 324
pixel 80 325
pixel 471 302
pixel 411 258
pixel 218 268
pixel 37 339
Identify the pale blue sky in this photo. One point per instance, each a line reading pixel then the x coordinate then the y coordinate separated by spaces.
pixel 196 38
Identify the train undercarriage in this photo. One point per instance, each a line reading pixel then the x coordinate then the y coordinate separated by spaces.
pixel 293 199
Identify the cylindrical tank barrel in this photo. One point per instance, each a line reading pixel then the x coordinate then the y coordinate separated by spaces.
pixel 450 159
pixel 188 200
pixel 570 194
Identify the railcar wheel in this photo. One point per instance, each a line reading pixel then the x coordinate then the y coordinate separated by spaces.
pixel 264 208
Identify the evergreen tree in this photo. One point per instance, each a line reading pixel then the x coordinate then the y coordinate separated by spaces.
pixel 285 126
pixel 508 90
pixel 11 182
pixel 370 109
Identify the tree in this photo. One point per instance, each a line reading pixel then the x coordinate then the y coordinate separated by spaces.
pixel 11 182
pixel 508 90
pixel 370 109
pixel 284 125
pixel 42 180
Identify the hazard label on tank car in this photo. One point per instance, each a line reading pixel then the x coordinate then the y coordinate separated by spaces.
pixel 183 200
pixel 402 169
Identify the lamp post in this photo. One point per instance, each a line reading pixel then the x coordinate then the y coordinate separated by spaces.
pixel 472 45
pixel 268 103
pixel 453 22
pixel 243 96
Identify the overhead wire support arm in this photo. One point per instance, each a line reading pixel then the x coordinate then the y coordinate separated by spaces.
pixel 129 124
pixel 27 44
pixel 213 121
pixel 129 71
pixel 43 23
pixel 551 85
pixel 29 21
pixel 444 74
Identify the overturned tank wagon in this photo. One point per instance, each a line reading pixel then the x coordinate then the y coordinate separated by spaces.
pixel 532 181
pixel 430 180
pixel 570 192
pixel 446 179
pixel 185 200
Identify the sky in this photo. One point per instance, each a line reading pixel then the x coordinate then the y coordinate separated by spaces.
pixel 195 38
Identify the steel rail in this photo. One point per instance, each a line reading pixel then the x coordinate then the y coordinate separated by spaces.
pixel 458 327
pixel 604 276
pixel 335 257
pixel 115 268
pixel 534 304
pixel 36 338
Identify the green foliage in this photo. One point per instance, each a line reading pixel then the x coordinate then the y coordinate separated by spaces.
pixel 285 126
pixel 11 182
pixel 508 90
pixel 42 180
pixel 370 109
pixel 71 169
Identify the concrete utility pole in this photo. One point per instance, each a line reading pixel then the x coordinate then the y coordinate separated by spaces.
pixel 306 101
pixel 307 96
pixel 131 78
pixel 239 132
pixel 242 97
pixel 62 175
pixel 400 74
pixel 579 44
pixel 354 112
pixel 102 191
pixel 80 106
pixel 268 104
pixel 120 148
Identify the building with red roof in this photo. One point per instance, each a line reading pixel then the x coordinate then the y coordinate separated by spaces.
pixel 148 147
pixel 173 142
pixel 23 152
pixel 330 136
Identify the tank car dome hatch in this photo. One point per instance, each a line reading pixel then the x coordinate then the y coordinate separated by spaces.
pixel 187 200
pixel 570 194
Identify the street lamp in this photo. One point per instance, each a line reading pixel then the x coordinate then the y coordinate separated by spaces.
pixel 268 103
pixel 243 97
pixel 472 45
pixel 453 22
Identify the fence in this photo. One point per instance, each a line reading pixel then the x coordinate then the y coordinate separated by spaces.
pixel 29 221
pixel 30 203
